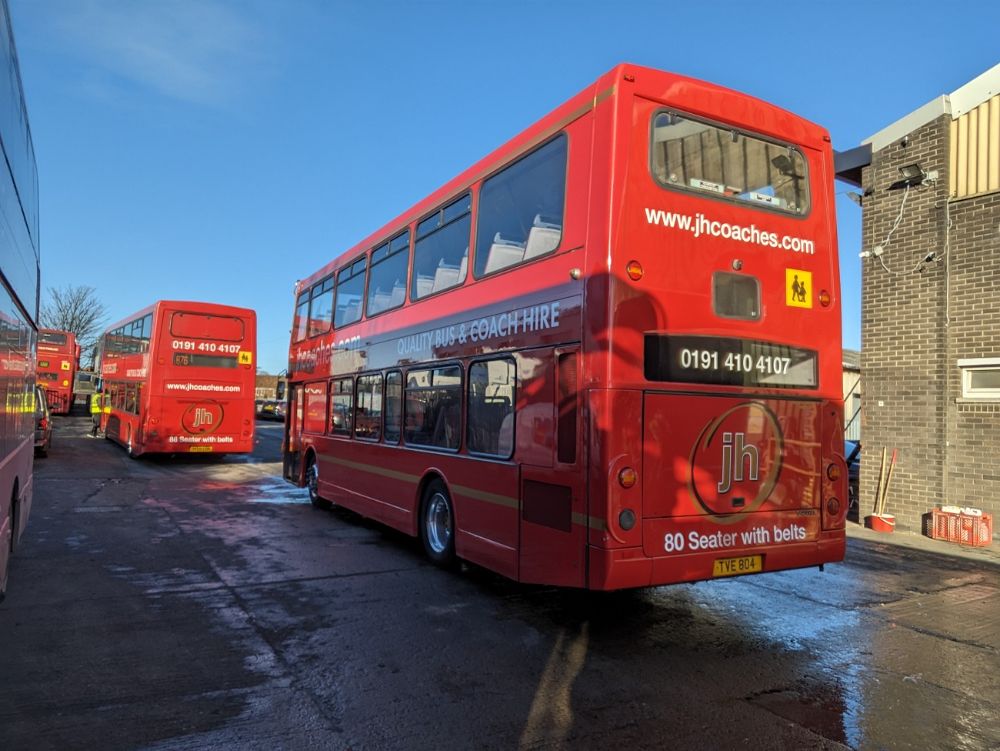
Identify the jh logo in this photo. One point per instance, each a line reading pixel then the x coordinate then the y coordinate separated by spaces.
pixel 736 453
pixel 202 417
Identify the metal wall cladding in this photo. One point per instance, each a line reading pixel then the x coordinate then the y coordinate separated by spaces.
pixel 975 150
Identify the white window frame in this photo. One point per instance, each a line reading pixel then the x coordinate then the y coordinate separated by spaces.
pixel 972 364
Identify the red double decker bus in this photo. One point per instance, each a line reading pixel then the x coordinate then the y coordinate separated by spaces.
pixel 19 302
pixel 605 356
pixel 180 379
pixel 58 360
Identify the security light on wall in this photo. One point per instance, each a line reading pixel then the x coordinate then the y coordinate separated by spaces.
pixel 913 174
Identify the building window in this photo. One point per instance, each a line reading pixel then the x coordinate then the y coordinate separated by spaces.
pixel 980 378
pixel 491 408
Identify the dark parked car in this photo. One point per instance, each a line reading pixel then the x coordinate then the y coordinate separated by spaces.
pixel 852 454
pixel 271 409
pixel 43 423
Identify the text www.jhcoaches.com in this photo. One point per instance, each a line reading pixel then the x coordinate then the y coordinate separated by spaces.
pixel 701 226
pixel 215 388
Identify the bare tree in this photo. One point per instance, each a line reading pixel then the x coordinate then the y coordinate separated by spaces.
pixel 76 309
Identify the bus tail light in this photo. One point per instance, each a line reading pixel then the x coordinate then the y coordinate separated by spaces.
pixel 832 506
pixel 634 270
pixel 824 298
pixel 833 472
pixel 627 477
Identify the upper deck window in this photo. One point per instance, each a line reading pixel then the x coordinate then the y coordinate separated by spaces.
pixel 441 251
pixel 520 213
pixel 350 292
pixel 51 337
pixel 387 286
pixel 205 326
pixel 727 163
pixel 321 307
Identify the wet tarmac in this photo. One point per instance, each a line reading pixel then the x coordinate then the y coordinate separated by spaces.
pixel 204 604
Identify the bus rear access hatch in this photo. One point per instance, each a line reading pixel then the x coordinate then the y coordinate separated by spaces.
pixel 728 473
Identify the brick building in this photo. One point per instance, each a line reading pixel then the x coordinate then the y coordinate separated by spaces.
pixel 930 316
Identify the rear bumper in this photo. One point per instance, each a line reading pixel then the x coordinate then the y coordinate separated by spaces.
pixel 629 567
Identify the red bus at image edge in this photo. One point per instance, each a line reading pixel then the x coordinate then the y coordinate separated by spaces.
pixel 605 356
pixel 179 377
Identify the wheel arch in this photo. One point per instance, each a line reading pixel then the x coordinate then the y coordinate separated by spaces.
pixel 430 475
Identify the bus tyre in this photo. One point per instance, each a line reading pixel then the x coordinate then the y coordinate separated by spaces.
pixel 437 524
pixel 11 518
pixel 312 483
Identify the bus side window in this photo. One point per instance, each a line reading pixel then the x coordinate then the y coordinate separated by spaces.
pixel 441 252
pixel 433 407
pixel 368 408
pixel 393 405
pixel 491 408
pixel 341 406
pixel 520 214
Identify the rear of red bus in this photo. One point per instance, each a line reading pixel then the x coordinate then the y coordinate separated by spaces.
pixel 716 448
pixel 200 387
pixel 58 356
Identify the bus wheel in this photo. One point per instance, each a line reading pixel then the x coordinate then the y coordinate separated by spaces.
pixel 11 519
pixel 312 483
pixel 437 524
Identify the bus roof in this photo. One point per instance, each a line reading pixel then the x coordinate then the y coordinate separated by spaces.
pixel 698 97
pixel 193 305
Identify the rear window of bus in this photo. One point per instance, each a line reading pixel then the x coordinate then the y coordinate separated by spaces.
pixel 726 163
pixel 201 326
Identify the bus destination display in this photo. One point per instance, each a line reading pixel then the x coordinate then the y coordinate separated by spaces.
pixel 203 361
pixel 729 362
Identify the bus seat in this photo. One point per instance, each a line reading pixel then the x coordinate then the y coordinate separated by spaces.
pixel 503 253
pixel 380 302
pixel 425 284
pixel 543 238
pixel 445 276
pixel 505 440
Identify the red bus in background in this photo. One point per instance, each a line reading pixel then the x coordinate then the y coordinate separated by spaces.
pixel 180 377
pixel 606 356
pixel 58 361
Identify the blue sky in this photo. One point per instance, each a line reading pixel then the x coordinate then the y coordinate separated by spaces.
pixel 212 150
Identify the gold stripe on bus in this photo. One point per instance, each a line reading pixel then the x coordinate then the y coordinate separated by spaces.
pixel 373 469
pixel 582 520
pixel 481 495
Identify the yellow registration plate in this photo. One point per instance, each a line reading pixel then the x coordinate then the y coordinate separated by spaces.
pixel 748 564
pixel 205 449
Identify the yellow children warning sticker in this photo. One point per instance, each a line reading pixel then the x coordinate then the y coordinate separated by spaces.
pixel 798 288
pixel 245 357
